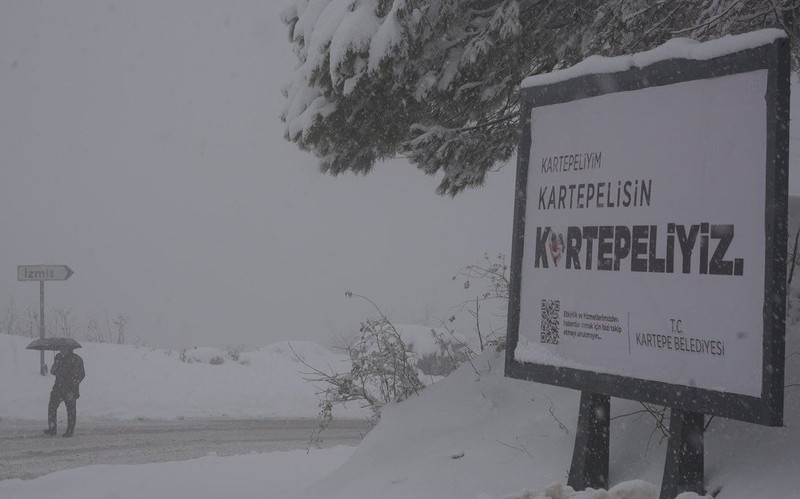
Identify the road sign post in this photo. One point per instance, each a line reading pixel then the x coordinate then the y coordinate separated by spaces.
pixel 42 368
pixel 43 273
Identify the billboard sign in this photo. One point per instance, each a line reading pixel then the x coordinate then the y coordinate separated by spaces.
pixel 649 253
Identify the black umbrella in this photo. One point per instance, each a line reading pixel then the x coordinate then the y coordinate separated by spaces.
pixel 53 344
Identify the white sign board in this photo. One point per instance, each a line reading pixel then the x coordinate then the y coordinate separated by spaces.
pixel 645 234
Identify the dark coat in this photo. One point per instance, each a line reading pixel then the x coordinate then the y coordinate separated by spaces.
pixel 68 370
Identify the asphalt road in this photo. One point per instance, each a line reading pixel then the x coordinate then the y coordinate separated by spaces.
pixel 27 453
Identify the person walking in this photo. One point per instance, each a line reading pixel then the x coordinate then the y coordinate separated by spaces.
pixel 68 370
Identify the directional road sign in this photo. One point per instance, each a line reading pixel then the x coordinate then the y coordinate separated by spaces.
pixel 43 273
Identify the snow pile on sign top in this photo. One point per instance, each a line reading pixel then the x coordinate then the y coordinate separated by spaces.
pixel 677 48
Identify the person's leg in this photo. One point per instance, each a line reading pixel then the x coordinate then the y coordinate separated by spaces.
pixel 72 414
pixel 52 411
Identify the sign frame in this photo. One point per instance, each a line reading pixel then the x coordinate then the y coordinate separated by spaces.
pixel 766 409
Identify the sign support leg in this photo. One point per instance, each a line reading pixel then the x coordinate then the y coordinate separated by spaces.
pixel 42 369
pixel 683 469
pixel 589 466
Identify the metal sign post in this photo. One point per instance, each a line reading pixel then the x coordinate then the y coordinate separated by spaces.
pixel 684 466
pixel 42 273
pixel 591 453
pixel 42 368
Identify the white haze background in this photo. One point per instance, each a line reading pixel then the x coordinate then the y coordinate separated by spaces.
pixel 140 144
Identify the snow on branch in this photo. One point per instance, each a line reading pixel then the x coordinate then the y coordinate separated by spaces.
pixel 438 81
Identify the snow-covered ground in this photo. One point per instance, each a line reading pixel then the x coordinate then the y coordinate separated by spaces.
pixel 483 435
pixel 273 475
pixel 127 382
pixel 474 434
pixel 130 382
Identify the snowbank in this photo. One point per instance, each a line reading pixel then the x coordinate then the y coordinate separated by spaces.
pixel 474 435
pixel 127 382
pixel 478 434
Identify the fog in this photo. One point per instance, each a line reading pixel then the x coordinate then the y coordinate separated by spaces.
pixel 140 144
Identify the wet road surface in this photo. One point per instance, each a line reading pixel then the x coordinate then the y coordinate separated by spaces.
pixel 26 453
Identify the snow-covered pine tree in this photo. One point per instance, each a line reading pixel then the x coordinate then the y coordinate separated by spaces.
pixel 437 81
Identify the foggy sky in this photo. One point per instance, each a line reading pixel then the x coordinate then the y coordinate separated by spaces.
pixel 140 144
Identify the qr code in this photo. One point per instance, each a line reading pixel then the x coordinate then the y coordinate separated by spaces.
pixel 550 321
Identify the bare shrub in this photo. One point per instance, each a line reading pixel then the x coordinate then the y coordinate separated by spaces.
pixel 93 332
pixel 62 322
pixel 493 274
pixel 452 352
pixel 11 322
pixel 382 370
